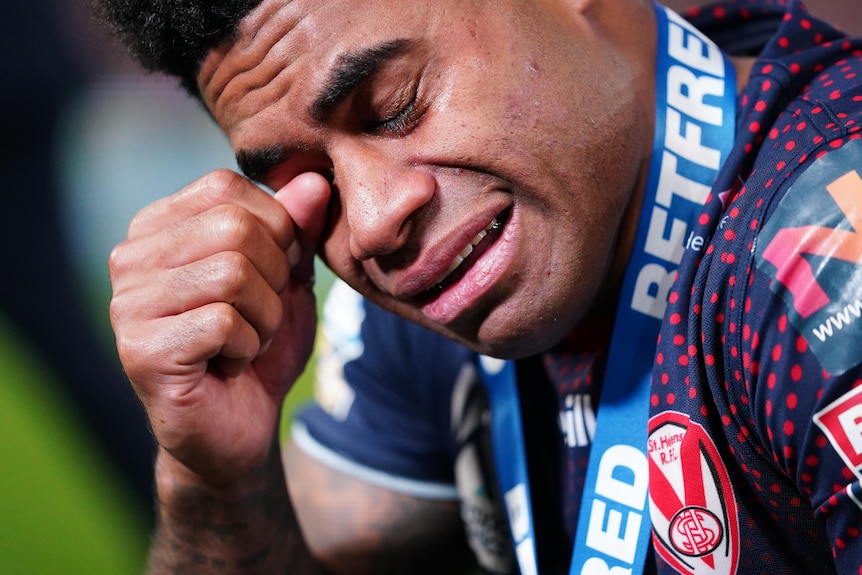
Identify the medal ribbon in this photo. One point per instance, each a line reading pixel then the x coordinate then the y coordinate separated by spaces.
pixel 694 132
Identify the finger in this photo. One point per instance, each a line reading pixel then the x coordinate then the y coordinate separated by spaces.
pixel 227 277
pixel 225 229
pixel 305 198
pixel 218 188
pixel 178 349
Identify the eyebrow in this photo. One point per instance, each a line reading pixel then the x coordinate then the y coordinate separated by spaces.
pixel 349 71
pixel 255 164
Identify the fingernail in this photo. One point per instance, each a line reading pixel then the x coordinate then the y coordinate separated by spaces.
pixel 293 254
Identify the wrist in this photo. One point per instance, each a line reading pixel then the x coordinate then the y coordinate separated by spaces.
pixel 176 482
pixel 247 523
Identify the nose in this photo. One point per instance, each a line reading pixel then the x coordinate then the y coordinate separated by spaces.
pixel 379 195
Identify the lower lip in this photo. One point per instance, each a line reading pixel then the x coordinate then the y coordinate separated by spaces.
pixel 482 275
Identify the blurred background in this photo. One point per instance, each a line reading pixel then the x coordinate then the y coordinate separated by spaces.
pixel 87 141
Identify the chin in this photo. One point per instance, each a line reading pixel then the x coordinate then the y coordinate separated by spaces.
pixel 515 348
pixel 517 339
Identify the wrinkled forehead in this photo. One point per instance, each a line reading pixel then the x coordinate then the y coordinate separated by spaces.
pixel 276 32
pixel 292 43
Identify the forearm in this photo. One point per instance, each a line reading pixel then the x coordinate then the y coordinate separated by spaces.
pixel 236 529
pixel 358 528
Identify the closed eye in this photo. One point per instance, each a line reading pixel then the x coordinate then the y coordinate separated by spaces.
pixel 400 122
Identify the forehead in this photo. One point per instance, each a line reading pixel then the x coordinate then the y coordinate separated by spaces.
pixel 292 44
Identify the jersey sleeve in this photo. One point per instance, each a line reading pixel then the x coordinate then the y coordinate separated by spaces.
pixel 801 342
pixel 383 394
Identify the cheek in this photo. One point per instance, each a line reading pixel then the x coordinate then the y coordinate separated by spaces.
pixel 334 249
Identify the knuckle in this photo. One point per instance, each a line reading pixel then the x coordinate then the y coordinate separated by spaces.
pixel 117 309
pixel 140 223
pixel 224 319
pixel 126 350
pixel 119 259
pixel 234 225
pixel 233 271
pixel 134 355
pixel 135 225
pixel 222 186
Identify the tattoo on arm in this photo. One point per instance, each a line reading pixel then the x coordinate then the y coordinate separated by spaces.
pixel 357 528
pixel 202 532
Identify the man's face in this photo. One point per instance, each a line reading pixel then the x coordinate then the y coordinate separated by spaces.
pixel 506 133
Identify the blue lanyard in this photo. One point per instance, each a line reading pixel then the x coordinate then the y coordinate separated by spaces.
pixel 694 131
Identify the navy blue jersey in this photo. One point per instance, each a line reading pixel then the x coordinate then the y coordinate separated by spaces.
pixel 401 407
pixel 755 436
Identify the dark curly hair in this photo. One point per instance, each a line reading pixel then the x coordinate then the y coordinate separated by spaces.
pixel 172 36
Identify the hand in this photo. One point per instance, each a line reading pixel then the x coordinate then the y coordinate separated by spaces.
pixel 214 314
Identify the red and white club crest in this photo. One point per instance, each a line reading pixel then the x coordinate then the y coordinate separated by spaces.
pixel 695 531
pixel 692 506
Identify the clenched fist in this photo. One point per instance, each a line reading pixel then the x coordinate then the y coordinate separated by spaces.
pixel 214 314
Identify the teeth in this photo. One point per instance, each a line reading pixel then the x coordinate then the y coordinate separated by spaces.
pixel 468 249
pixel 452 267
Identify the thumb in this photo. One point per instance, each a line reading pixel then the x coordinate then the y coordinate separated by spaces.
pixel 305 198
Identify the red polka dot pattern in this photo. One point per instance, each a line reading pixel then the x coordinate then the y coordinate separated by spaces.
pixel 728 355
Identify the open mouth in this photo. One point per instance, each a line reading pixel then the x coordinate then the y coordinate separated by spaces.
pixel 477 246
